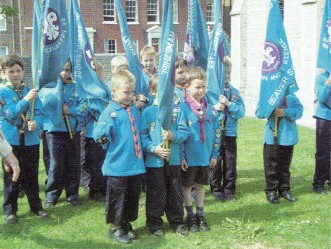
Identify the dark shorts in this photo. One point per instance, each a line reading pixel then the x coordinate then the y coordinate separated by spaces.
pixel 195 174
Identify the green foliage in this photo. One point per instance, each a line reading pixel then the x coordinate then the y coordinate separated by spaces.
pixel 250 222
pixel 8 10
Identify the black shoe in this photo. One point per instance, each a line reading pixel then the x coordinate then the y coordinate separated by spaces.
pixel 288 196
pixel 119 235
pixel 192 224
pixel 130 232
pixel 182 230
pixel 320 190
pixel 42 213
pixel 272 198
pixel 230 197
pixel 202 223
pixel 219 196
pixel 12 219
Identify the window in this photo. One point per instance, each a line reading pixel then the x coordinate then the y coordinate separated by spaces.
pixel 152 11
pixel 109 11
pixel 131 10
pixel 210 11
pixel 175 10
pixel 2 22
pixel 155 44
pixel 3 51
pixel 110 46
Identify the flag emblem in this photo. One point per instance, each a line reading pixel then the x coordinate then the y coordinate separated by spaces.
pixel 52 27
pixel 89 57
pixel 272 58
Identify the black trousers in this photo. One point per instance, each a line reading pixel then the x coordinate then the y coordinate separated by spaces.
pixel 28 158
pixel 323 150
pixel 164 194
pixel 277 161
pixel 122 199
pixel 94 158
pixel 223 176
pixel 64 169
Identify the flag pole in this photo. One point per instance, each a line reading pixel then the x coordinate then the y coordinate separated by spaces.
pixel 276 131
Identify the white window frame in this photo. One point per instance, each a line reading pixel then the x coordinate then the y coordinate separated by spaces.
pixel 111 9
pixel 3 23
pixel 5 49
pixel 106 46
pixel 210 12
pixel 153 7
pixel 134 10
pixel 175 11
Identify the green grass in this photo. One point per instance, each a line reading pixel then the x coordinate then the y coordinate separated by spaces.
pixel 250 222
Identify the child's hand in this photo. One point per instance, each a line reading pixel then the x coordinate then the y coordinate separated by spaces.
pixel 65 109
pixel 167 135
pixel 140 101
pixel 224 101
pixel 279 113
pixel 161 152
pixel 32 94
pixel 32 125
pixel 212 163
pixel 328 82
pixel 184 165
pixel 11 164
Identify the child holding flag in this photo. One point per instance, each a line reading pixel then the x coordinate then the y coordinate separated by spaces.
pixel 22 133
pixel 164 186
pixel 201 148
pixel 118 132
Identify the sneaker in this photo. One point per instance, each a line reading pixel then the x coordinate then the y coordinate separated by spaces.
pixel 182 230
pixel 219 196
pixel 202 223
pixel 192 224
pixel 119 235
pixel 130 232
pixel 288 196
pixel 230 197
pixel 12 219
pixel 158 233
pixel 42 213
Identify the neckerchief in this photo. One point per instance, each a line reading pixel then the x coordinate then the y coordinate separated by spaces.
pixel 184 89
pixel 148 73
pixel 198 110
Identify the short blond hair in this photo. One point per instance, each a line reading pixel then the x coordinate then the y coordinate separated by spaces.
pixel 121 79
pixel 195 73
pixel 148 50
pixel 117 62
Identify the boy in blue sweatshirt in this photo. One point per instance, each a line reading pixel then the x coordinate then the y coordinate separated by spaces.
pixel 164 186
pixel 200 150
pixel 22 134
pixel 118 132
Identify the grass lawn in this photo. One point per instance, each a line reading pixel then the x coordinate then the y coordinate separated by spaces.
pixel 250 222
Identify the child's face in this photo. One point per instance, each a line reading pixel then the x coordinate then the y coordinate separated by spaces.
pixel 148 62
pixel 14 74
pixel 198 89
pixel 180 75
pixel 66 72
pixel 124 94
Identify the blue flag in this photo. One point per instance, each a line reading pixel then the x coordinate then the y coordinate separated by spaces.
pixel 324 52
pixel 36 42
pixel 130 47
pixel 218 49
pixel 54 44
pixel 196 42
pixel 277 69
pixel 88 84
pixel 166 68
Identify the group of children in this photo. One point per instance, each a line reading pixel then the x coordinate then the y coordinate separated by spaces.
pixel 126 146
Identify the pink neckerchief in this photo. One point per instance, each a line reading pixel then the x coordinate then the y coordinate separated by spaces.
pixel 198 110
pixel 148 73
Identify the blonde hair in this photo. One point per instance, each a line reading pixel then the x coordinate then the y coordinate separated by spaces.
pixel 121 79
pixel 194 73
pixel 148 50
pixel 117 62
pixel 153 84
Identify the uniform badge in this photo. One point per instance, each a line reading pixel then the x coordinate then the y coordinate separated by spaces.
pixel 215 146
pixel 14 99
pixel 152 126
pixel 189 123
pixel 113 114
pixel 218 131
pixel 218 135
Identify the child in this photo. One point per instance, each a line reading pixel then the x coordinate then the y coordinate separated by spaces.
pixel 323 132
pixel 277 157
pixel 164 186
pixel 201 147
pixel 118 131
pixel 23 135
pixel 64 144
pixel 181 88
pixel 223 176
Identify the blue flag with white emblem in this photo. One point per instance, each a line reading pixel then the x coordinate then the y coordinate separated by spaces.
pixel 277 69
pixel 54 44
pixel 166 68
pixel 88 84
pixel 197 40
pixel 324 52
pixel 131 53
pixel 218 49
